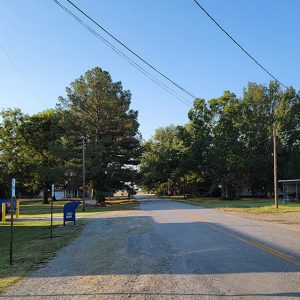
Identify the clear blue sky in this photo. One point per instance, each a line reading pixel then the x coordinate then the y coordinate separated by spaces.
pixel 51 50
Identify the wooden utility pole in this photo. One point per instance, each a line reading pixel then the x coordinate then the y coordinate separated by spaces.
pixel 83 174
pixel 275 167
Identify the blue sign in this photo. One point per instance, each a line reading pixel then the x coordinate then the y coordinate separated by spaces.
pixel 8 203
pixel 70 211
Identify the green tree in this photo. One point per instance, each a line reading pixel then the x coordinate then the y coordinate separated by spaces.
pixel 31 150
pixel 228 142
pixel 161 168
pixel 98 110
pixel 12 162
pixel 43 150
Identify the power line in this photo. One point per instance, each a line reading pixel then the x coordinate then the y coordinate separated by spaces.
pixel 131 51
pixel 287 131
pixel 21 75
pixel 239 45
pixel 123 55
pixel 254 146
pixel 127 58
pixel 269 137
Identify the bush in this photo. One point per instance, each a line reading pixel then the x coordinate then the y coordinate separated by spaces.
pixel 100 196
pixel 215 191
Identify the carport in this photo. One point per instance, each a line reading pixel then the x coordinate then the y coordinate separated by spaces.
pixel 290 189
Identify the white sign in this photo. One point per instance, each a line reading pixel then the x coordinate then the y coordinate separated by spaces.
pixel 69 215
pixel 13 188
pixel 53 190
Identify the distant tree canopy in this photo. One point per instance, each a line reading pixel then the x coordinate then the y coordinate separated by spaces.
pixel 46 148
pixel 227 143
pixel 225 147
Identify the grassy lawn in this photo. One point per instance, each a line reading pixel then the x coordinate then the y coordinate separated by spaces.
pixel 32 245
pixel 29 209
pixel 245 205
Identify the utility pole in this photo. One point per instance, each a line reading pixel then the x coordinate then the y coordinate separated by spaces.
pixel 83 174
pixel 275 167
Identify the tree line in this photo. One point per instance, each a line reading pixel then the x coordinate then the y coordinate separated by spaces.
pixel 46 148
pixel 226 145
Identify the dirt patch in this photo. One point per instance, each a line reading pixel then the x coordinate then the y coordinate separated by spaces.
pixel 289 220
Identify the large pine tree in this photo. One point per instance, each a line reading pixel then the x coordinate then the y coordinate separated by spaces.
pixel 98 110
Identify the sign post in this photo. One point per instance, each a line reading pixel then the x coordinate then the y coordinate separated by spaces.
pixel 12 205
pixel 83 174
pixel 275 168
pixel 52 199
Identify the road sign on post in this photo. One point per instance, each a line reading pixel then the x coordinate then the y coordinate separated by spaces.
pixel 52 199
pixel 12 206
pixel 275 167
pixel 83 174
pixel 13 188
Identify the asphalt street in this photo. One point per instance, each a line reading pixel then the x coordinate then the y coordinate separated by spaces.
pixel 171 250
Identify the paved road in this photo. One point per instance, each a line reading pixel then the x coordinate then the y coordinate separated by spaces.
pixel 170 250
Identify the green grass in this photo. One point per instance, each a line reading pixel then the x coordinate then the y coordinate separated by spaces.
pixel 30 209
pixel 32 245
pixel 245 205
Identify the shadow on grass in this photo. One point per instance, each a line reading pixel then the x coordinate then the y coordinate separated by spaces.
pixel 132 246
pixel 32 247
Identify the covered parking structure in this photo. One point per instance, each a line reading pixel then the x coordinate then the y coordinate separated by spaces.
pixel 290 189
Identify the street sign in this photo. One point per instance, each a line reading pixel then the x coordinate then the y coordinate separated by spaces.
pixel 12 207
pixel 53 190
pixel 13 188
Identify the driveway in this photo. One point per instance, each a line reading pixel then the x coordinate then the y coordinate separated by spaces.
pixel 171 250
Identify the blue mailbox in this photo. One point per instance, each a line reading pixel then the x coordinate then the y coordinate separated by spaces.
pixel 8 203
pixel 70 211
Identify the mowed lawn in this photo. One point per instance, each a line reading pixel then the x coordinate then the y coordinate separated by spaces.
pixel 32 245
pixel 246 205
pixel 36 209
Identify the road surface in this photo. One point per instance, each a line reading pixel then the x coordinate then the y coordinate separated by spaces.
pixel 171 250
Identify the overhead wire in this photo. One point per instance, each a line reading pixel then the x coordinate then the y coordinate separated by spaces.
pixel 21 75
pixel 239 45
pixel 126 57
pixel 131 51
pixel 287 131
pixel 267 138
pixel 253 147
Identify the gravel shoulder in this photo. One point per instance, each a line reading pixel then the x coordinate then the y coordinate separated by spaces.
pixel 288 220
pixel 113 257
pixel 117 256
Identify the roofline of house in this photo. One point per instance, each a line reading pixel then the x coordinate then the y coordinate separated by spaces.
pixel 289 180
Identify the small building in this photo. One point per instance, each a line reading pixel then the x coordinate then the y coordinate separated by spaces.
pixel 66 192
pixel 290 189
